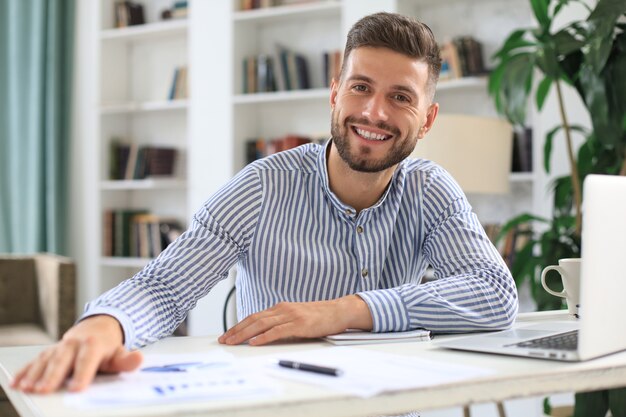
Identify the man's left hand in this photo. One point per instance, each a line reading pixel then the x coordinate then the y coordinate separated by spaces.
pixel 300 320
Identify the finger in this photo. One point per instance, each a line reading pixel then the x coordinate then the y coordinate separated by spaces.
pixel 56 371
pixel 279 332
pixel 254 329
pixel 245 323
pixel 17 379
pixel 86 363
pixel 35 371
pixel 124 361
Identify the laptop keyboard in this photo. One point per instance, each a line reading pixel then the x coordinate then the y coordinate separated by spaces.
pixel 562 341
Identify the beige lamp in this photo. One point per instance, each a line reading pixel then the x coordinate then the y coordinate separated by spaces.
pixel 476 150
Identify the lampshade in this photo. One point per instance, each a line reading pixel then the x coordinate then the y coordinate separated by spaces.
pixel 475 150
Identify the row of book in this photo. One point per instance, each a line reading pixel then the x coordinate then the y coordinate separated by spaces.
pixel 262 4
pixel 178 88
pixel 258 148
pixel 462 57
pixel 135 162
pixel 137 233
pixel 286 70
pixel 179 10
pixel 332 65
pixel 128 13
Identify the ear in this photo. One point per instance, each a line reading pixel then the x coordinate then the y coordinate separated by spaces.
pixel 431 115
pixel 334 88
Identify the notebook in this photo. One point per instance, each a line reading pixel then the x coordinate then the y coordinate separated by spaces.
pixel 355 337
pixel 599 330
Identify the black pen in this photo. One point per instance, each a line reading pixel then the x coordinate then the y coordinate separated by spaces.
pixel 309 368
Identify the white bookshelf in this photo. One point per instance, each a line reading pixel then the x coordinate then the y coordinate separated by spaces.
pixel 134 70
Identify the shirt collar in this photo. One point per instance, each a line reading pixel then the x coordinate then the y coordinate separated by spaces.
pixel 322 171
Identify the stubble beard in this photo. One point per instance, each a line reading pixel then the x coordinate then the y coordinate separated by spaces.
pixel 358 159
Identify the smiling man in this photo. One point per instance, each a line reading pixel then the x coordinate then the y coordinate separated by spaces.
pixel 325 238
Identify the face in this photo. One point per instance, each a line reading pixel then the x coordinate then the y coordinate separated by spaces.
pixel 381 107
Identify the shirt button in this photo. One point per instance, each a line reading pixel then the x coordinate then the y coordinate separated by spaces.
pixel 364 272
pixel 349 212
pixel 359 229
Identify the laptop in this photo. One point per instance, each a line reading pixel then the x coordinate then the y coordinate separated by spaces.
pixel 600 328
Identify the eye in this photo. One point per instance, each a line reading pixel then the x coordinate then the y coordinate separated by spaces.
pixel 359 87
pixel 401 98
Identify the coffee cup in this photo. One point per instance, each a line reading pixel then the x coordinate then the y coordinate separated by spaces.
pixel 569 269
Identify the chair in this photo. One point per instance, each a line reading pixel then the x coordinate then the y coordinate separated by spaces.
pixel 37 303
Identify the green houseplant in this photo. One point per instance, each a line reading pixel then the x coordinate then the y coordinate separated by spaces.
pixel 590 56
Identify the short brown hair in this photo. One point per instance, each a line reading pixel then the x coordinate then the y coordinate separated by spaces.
pixel 399 33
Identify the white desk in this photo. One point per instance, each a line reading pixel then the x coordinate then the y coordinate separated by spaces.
pixel 514 377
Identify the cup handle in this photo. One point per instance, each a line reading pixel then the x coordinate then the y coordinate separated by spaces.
pixel 543 280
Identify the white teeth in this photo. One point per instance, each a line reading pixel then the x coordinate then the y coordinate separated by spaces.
pixel 370 135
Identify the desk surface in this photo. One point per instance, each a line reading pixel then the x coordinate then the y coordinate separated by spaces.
pixel 513 377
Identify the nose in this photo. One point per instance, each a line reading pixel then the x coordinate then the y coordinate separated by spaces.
pixel 376 108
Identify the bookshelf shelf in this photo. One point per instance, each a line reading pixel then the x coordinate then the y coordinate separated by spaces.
pixel 147 184
pixel 283 96
pixel 324 93
pixel 119 262
pixel 460 83
pixel 148 31
pixel 522 177
pixel 273 15
pixel 147 106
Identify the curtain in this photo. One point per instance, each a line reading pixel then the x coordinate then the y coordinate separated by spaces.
pixel 36 43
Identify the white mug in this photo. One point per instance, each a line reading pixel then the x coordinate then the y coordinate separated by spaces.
pixel 569 269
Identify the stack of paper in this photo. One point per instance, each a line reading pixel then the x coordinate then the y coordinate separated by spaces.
pixel 366 372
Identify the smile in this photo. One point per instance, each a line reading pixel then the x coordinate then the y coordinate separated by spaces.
pixel 366 134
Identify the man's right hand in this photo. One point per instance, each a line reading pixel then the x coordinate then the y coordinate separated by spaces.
pixel 94 344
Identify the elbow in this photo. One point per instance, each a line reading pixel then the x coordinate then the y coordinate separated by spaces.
pixel 507 309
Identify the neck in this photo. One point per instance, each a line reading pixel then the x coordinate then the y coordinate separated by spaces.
pixel 359 190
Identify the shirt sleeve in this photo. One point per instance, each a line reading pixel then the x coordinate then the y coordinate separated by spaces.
pixel 473 289
pixel 152 304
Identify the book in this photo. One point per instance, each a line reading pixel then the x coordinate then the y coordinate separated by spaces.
pixel 128 13
pixel 357 337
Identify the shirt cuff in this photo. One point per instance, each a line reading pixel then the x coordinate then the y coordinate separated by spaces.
pixel 127 324
pixel 389 313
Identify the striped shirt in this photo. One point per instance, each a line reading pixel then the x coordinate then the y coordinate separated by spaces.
pixel 292 239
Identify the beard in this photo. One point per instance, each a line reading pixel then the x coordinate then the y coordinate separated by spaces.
pixel 358 158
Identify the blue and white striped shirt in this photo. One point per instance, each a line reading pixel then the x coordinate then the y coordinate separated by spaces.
pixel 293 240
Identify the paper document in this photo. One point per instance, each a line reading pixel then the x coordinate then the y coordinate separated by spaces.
pixel 366 373
pixel 354 337
pixel 213 375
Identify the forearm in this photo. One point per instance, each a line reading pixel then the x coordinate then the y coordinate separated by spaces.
pixel 151 304
pixel 484 299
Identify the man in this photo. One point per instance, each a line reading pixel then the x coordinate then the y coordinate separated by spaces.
pixel 325 237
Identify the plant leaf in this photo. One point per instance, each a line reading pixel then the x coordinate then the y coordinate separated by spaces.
pixel 514 41
pixel 597 104
pixel 590 404
pixel 542 91
pixel 565 42
pixel 547 148
pixel 540 10
pixel 515 87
